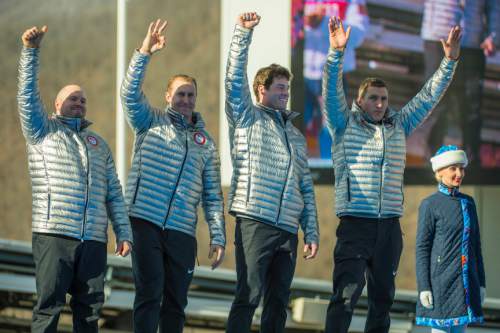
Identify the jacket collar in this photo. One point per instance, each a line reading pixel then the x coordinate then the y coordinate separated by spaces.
pixel 76 124
pixel 285 114
pixel 451 191
pixel 387 120
pixel 180 122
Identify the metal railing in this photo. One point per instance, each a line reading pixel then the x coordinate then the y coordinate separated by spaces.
pixel 210 296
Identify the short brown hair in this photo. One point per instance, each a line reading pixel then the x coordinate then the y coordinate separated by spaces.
pixel 266 75
pixel 183 77
pixel 370 82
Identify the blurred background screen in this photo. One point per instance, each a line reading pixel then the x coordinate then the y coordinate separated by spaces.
pixel 398 42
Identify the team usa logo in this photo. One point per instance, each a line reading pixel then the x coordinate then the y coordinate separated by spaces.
pixel 92 140
pixel 199 138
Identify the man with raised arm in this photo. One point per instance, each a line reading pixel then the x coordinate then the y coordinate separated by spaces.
pixel 75 191
pixel 369 145
pixel 271 191
pixel 175 166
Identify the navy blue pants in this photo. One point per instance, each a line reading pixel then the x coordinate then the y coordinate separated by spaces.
pixel 163 265
pixel 265 263
pixel 371 248
pixel 67 265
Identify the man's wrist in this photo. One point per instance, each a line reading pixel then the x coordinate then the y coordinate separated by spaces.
pixel 337 49
pixel 451 58
pixel 145 51
pixel 31 46
pixel 239 26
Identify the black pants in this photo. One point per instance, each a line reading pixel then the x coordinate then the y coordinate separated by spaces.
pixel 461 105
pixel 163 265
pixel 67 265
pixel 265 263
pixel 364 246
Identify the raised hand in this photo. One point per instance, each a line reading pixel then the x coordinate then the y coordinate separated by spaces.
pixel 337 35
pixel 33 36
pixel 248 20
pixel 154 40
pixel 451 46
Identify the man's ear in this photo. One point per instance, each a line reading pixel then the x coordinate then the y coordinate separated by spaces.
pixel 262 90
pixel 57 105
pixel 358 100
pixel 168 97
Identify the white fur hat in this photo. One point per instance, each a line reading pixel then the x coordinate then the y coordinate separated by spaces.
pixel 448 155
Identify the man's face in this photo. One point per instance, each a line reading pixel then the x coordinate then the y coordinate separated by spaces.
pixel 453 175
pixel 182 96
pixel 276 97
pixel 71 102
pixel 375 102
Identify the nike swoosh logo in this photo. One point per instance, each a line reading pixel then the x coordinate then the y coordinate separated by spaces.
pixel 190 271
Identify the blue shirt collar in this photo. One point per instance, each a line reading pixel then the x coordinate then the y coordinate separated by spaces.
pixel 451 191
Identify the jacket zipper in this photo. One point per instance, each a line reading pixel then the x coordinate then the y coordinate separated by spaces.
pixel 249 182
pixel 381 171
pixel 86 189
pixel 136 189
pixel 287 170
pixel 176 183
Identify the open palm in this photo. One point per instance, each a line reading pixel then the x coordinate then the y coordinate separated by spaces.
pixel 337 35
pixel 451 46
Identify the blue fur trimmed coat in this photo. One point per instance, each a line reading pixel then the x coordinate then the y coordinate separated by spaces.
pixel 449 260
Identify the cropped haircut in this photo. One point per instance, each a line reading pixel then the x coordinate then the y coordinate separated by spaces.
pixel 370 82
pixel 266 75
pixel 183 77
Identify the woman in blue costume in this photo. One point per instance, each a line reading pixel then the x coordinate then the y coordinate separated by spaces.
pixel 450 270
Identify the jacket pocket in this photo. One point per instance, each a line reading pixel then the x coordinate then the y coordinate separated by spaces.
pixel 437 265
pixel 249 181
pixel 48 206
pixel 348 189
pixel 402 195
pixel 136 189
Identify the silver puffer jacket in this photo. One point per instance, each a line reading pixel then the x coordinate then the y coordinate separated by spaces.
pixel 368 158
pixel 73 177
pixel 175 164
pixel 271 180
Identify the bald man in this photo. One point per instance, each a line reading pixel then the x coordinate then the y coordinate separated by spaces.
pixel 75 192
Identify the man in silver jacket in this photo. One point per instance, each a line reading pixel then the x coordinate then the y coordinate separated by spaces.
pixel 75 191
pixel 271 191
pixel 369 148
pixel 175 165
